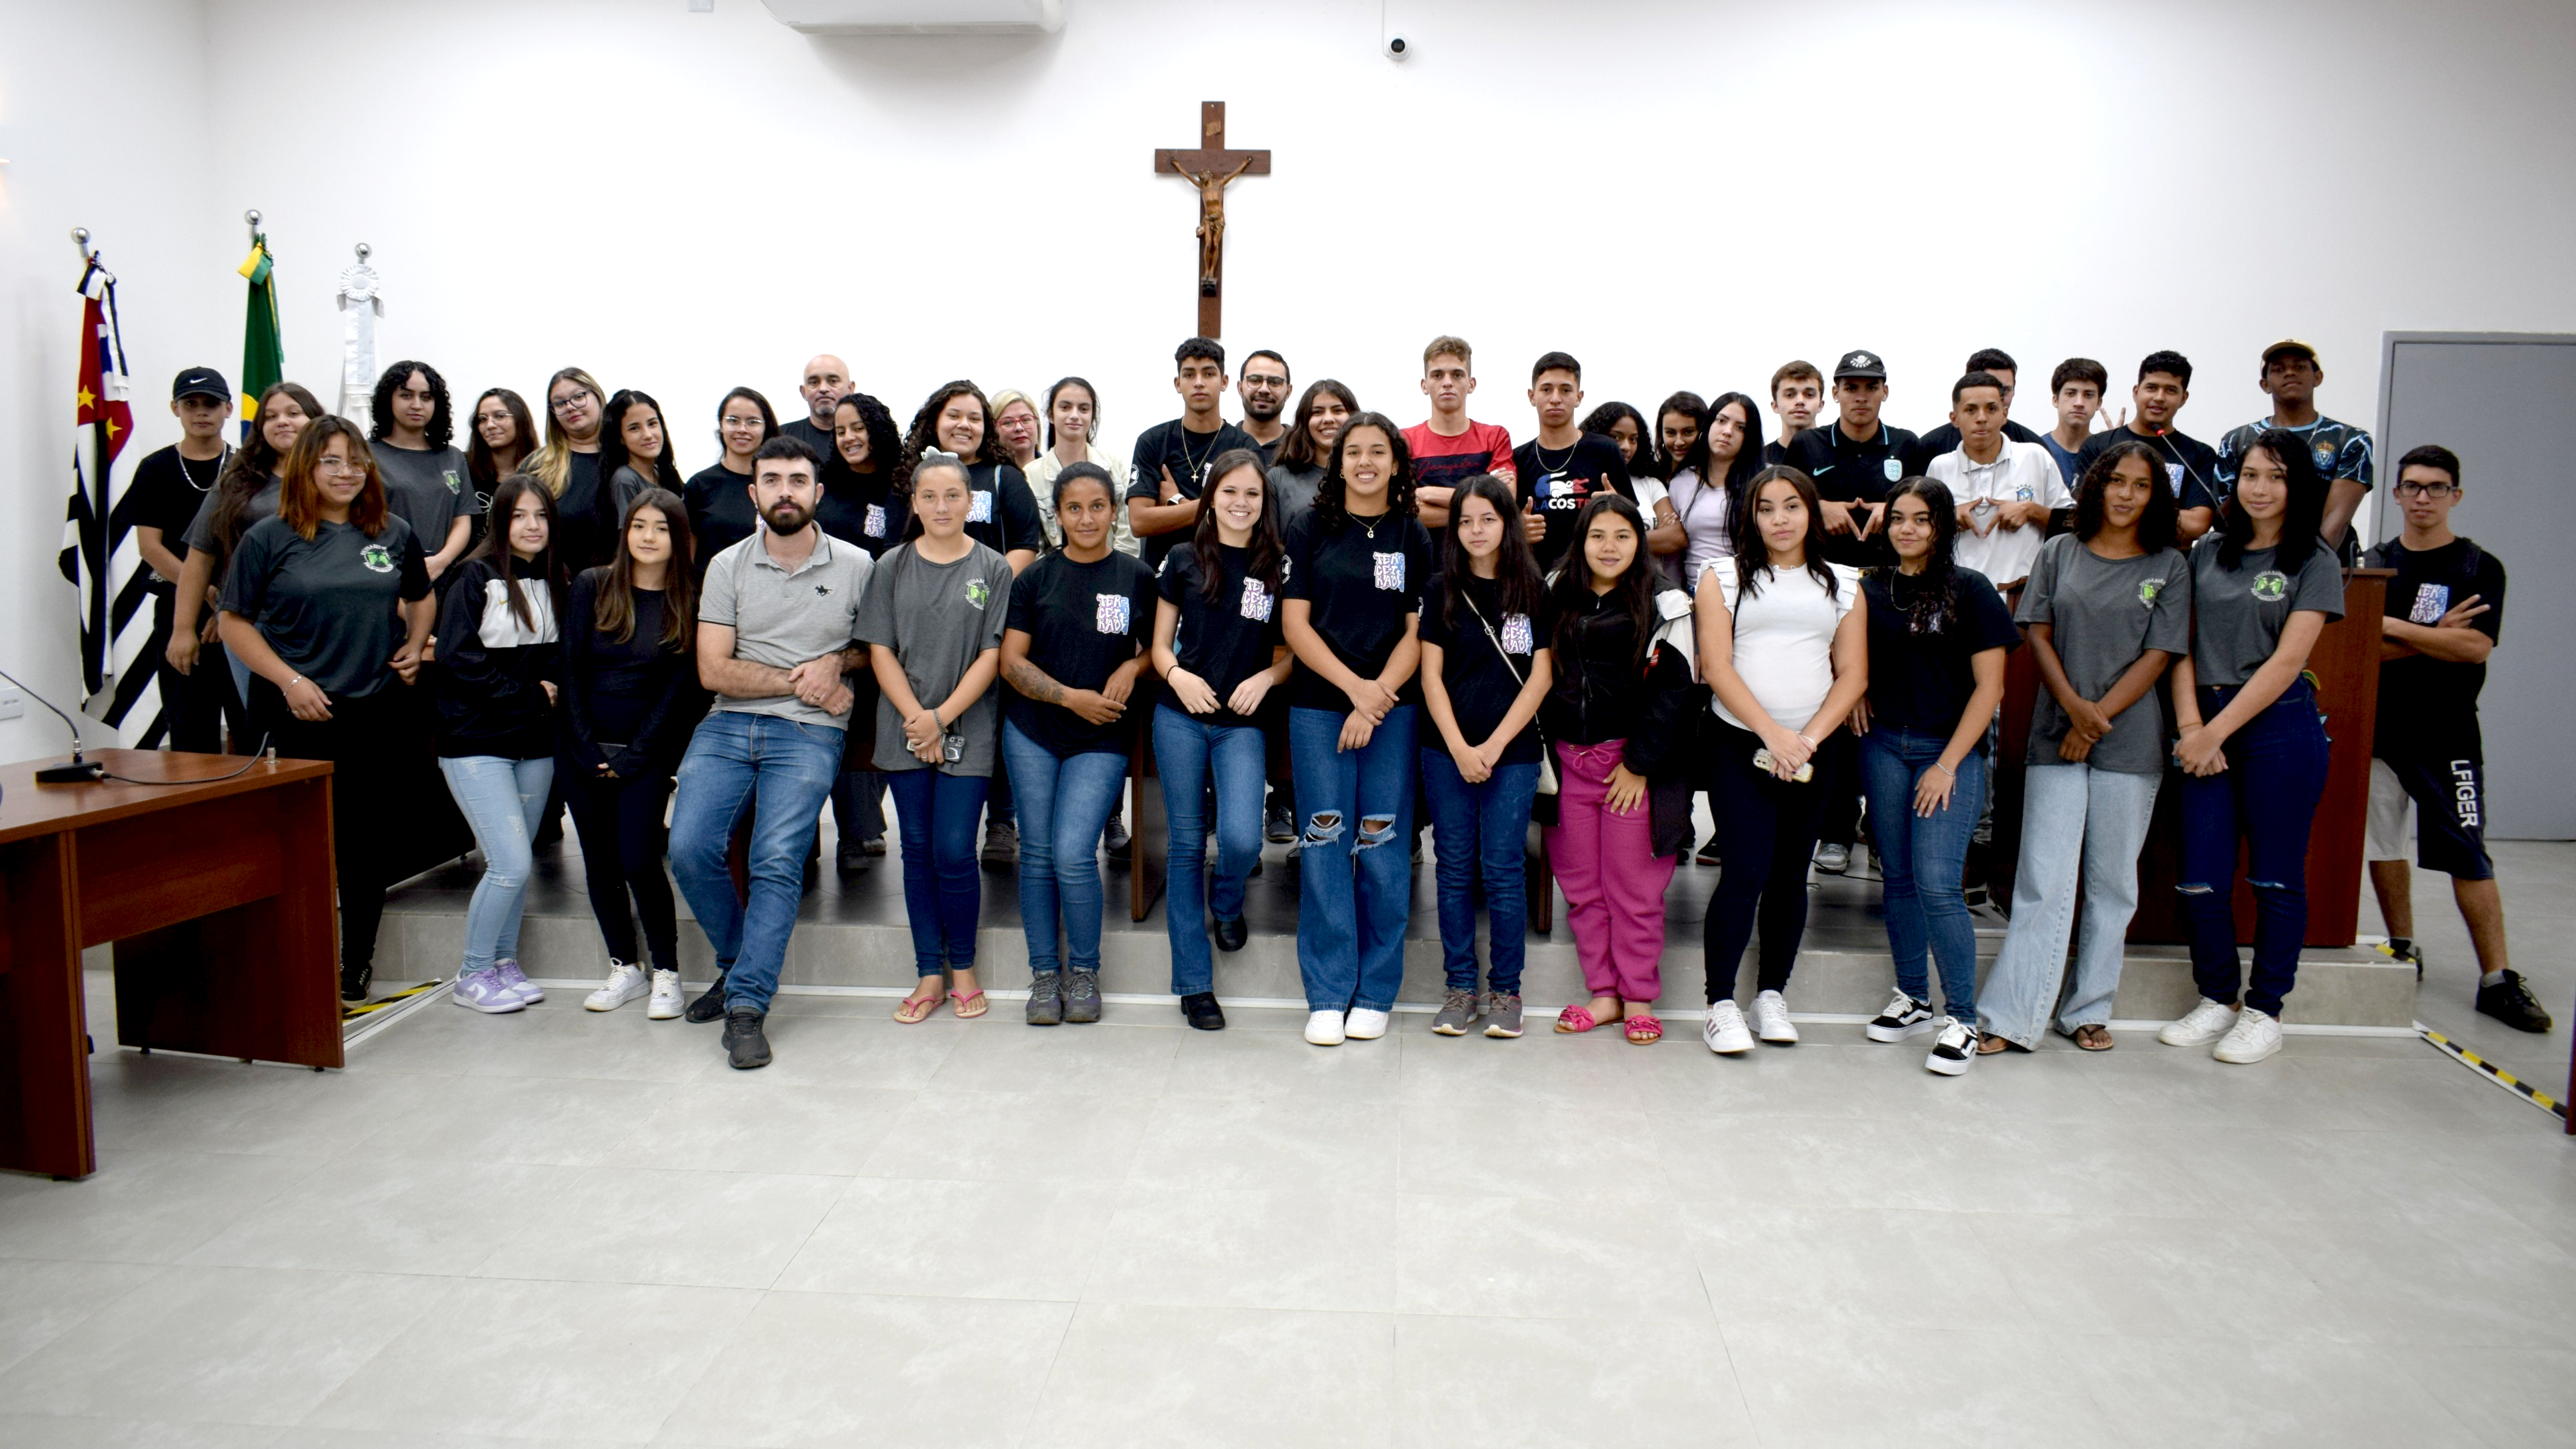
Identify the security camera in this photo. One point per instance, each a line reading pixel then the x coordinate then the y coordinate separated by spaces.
pixel 1398 47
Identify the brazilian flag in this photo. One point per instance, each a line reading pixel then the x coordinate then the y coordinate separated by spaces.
pixel 263 351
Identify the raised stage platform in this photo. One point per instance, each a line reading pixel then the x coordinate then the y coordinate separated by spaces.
pixel 851 934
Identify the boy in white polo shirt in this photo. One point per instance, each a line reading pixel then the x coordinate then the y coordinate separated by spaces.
pixel 2004 489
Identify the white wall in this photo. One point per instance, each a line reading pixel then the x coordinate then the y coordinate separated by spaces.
pixel 683 202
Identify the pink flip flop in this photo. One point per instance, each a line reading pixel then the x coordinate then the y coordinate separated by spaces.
pixel 958 1001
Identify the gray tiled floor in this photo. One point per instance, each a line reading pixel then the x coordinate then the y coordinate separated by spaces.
pixel 566 1228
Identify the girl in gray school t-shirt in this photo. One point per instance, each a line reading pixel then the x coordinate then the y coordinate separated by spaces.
pixel 938 619
pixel 2102 614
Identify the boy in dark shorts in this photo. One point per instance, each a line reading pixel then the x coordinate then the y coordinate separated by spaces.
pixel 2445 610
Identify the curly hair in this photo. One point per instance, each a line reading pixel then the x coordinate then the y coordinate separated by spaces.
pixel 1602 419
pixel 922 436
pixel 885 447
pixel 442 413
pixel 1330 508
pixel 2159 527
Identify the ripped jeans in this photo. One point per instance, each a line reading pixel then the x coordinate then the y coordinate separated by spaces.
pixel 2267 797
pixel 1353 894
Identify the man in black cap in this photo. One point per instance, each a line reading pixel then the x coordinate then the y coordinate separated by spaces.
pixel 2290 375
pixel 1854 461
pixel 158 505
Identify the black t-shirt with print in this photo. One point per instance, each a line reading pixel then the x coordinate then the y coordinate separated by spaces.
pixel 1481 683
pixel 2430 704
pixel 1003 515
pixel 1918 679
pixel 863 508
pixel 720 513
pixel 1359 581
pixel 1083 621
pixel 1557 482
pixel 1849 471
pixel 1187 456
pixel 1225 642
pixel 166 493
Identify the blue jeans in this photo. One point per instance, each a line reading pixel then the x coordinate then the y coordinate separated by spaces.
pixel 943 896
pixel 2075 820
pixel 2267 796
pixel 1921 860
pixel 1481 834
pixel 1064 805
pixel 1353 895
pixel 503 800
pixel 781 770
pixel 1187 752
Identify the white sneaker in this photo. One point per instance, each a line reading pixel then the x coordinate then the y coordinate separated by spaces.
pixel 1903 1017
pixel 1725 1033
pixel 2207 1023
pixel 624 984
pixel 665 1005
pixel 1364 1024
pixel 2254 1037
pixel 1771 1019
pixel 1325 1028
pixel 1954 1050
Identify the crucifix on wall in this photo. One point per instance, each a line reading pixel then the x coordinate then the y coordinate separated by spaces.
pixel 1209 168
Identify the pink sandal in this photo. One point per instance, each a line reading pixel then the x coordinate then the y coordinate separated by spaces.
pixel 958 1001
pixel 1575 1019
pixel 1644 1029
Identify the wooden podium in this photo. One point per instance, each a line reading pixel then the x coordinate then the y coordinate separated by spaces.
pixel 218 896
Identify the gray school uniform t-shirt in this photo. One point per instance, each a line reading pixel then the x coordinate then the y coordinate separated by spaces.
pixel 2239 612
pixel 2102 614
pixel 427 488
pixel 938 619
pixel 782 619
pixel 261 504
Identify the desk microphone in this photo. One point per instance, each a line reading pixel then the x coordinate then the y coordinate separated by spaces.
pixel 79 771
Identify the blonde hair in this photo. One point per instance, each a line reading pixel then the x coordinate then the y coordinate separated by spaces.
pixel 551 465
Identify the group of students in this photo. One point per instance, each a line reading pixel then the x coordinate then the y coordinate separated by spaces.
pixel 1587 630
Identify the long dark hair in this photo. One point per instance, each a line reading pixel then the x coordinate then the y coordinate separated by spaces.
pixel 252 462
pixel 479 462
pixel 2300 521
pixel 890 459
pixel 1571 592
pixel 1937 602
pixel 1752 555
pixel 768 418
pixel 1297 450
pixel 1648 462
pixel 1330 509
pixel 922 437
pixel 442 411
pixel 2159 526
pixel 1088 391
pixel 613 607
pixel 1516 577
pixel 1690 405
pixel 661 472
pixel 495 547
pixel 1262 557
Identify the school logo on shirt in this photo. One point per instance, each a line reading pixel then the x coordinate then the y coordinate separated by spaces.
pixel 981 511
pixel 1256 601
pixel 377 558
pixel 2432 601
pixel 1517 638
pixel 978 592
pixel 1390 569
pixel 2151 590
pixel 1109 613
pixel 2271 586
pixel 1893 469
pixel 454 483
pixel 2325 459
pixel 875 525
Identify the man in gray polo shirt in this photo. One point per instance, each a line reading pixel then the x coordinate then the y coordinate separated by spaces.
pixel 774 639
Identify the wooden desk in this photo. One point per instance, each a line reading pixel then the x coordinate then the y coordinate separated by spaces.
pixel 219 899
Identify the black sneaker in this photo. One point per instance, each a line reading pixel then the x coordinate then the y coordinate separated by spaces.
pixel 2511 1002
pixel 1046 999
pixel 2400 949
pixel 710 1004
pixel 354 981
pixel 745 1046
pixel 1082 996
pixel 1708 850
pixel 1903 1017
pixel 1277 826
pixel 1202 1011
pixel 1230 933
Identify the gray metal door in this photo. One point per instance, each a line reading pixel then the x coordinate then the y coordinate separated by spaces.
pixel 2504 402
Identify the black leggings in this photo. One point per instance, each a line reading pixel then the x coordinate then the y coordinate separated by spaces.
pixel 622 838
pixel 1766 830
pixel 365 808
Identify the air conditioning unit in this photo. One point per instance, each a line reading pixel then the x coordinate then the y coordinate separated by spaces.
pixel 919 17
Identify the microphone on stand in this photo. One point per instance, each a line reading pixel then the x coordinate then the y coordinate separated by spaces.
pixel 78 771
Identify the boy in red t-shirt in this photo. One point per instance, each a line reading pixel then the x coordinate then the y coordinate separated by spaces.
pixel 1447 447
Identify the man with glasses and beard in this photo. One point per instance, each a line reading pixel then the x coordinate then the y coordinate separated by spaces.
pixel 1264 390
pixel 775 634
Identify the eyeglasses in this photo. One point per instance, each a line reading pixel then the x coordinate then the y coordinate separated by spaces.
pixel 1254 379
pixel 2425 490
pixel 336 465
pixel 570 400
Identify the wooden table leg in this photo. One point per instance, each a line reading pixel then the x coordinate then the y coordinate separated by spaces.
pixel 44 1031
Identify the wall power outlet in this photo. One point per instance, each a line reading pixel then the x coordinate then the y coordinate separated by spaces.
pixel 13 705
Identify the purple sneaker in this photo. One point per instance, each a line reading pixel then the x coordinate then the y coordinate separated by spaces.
pixel 487 992
pixel 517 980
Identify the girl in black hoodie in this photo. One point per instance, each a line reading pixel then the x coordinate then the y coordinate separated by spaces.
pixel 495 683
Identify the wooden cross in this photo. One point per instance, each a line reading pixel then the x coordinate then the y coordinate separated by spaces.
pixel 1209 168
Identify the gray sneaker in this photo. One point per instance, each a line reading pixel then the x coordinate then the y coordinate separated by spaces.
pixel 1001 846
pixel 1082 996
pixel 1046 999
pixel 1502 1013
pixel 1456 1014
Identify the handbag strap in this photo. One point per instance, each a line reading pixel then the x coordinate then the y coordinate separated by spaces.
pixel 1491 637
